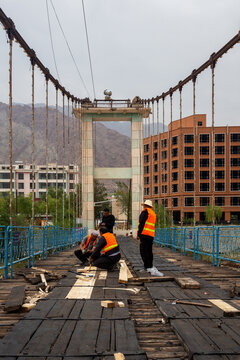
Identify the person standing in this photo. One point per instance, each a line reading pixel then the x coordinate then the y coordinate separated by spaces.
pixel 108 220
pixel 146 232
pixel 86 247
pixel 106 252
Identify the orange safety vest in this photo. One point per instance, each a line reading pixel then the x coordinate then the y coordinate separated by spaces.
pixel 111 242
pixel 149 226
pixel 87 242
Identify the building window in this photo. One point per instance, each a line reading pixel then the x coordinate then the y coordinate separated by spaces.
pixel 166 203
pixel 163 143
pixel 53 176
pixel 20 167
pixel 235 174
pixel 220 187
pixel 188 175
pixel 235 201
pixel 42 176
pixel 20 176
pixel 174 140
pixel 60 176
pixel 164 154
pixel 189 201
pixel 219 138
pixel 155 156
pixel 42 185
pixel 4 176
pixel 204 138
pixel 188 150
pixel 20 193
pixel 164 166
pixel 164 177
pixel 71 186
pixel 146 169
pixel 219 150
pixel 146 180
pixel 235 186
pixel 204 175
pixel 188 163
pixel 235 150
pixel 219 174
pixel 204 162
pixel 235 137
pixel 219 201
pixel 199 123
pixel 4 185
pixel 174 188
pixel 146 191
pixel 219 162
pixel 174 202
pixel 34 185
pixel 174 176
pixel 164 189
pixel 204 150
pixel 155 167
pixel 204 187
pixel 71 176
pixel 155 190
pixel 204 201
pixel 175 152
pixel 146 158
pixel 155 179
pixel 155 145
pixel 70 167
pixel 146 148
pixel 189 187
pixel 235 161
pixel 188 139
pixel 175 164
pixel 21 185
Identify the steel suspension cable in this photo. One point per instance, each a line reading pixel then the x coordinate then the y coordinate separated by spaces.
pixel 76 152
pixel 10 125
pixel 46 157
pixel 33 154
pixel 171 167
pixel 63 161
pixel 74 170
pixel 181 158
pixel 213 145
pixel 163 186
pixel 56 156
pixel 194 149
pixel 79 162
pixel 89 54
pixel 69 177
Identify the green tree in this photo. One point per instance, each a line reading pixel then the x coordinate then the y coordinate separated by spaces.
pixel 100 194
pixel 161 214
pixel 124 198
pixel 217 213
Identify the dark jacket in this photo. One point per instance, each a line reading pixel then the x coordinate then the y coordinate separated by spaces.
pixel 100 244
pixel 109 222
pixel 142 219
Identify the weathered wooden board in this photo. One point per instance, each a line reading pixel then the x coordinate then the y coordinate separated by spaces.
pixel 15 299
pixel 187 283
pixel 228 310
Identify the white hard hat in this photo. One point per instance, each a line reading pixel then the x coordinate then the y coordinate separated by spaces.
pixel 148 203
pixel 95 233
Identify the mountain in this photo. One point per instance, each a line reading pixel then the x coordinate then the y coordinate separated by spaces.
pixel 112 149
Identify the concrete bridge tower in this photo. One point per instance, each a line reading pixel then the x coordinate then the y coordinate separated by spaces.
pixel 111 110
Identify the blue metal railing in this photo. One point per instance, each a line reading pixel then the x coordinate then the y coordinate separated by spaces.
pixel 22 243
pixel 216 242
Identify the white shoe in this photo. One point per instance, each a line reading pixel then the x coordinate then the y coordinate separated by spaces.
pixel 154 271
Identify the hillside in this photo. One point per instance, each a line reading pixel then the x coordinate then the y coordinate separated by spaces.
pixel 112 148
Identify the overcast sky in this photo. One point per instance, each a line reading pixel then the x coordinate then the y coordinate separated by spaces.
pixel 138 47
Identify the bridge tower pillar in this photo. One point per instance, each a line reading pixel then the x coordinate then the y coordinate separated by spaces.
pixel 112 110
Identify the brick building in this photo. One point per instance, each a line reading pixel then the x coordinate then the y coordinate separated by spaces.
pixel 174 175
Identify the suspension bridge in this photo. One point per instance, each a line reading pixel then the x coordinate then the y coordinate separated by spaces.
pixel 157 318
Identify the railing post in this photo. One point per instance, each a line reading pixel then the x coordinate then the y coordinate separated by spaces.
pixel 11 251
pixel 174 239
pixel 56 239
pixel 184 242
pixel 213 245
pixel 6 252
pixel 197 243
pixel 33 243
pixel 194 244
pixel 217 246
pixel 181 232
pixel 43 242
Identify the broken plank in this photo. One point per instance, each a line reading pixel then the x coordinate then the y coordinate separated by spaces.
pixel 187 283
pixel 119 356
pixel 152 279
pixel 192 303
pixel 15 299
pixel 108 304
pixel 228 310
pixel 123 275
pixel 42 276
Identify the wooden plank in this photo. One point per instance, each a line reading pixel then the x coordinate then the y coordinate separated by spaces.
pixel 92 310
pixel 83 338
pixel 15 299
pixel 152 279
pixel 119 356
pixel 42 309
pixel 126 339
pixel 192 303
pixel 129 274
pixel 61 309
pixel 123 274
pixel 187 283
pixel 107 303
pixel 228 310
pixel 64 337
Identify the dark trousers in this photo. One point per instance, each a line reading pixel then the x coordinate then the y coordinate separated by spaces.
pixel 82 257
pixel 106 262
pixel 146 243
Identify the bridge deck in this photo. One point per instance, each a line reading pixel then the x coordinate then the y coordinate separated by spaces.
pixel 71 324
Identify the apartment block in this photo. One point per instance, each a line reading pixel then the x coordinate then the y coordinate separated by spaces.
pixel 67 176
pixel 190 164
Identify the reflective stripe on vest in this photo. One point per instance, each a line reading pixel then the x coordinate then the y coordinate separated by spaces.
pixel 149 226
pixel 111 242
